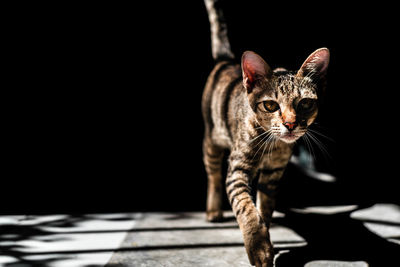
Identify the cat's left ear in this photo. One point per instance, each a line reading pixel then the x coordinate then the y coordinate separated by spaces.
pixel 316 65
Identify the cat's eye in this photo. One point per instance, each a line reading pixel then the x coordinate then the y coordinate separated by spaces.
pixel 270 106
pixel 306 104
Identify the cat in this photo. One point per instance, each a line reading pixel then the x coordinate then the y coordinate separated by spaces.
pixel 257 114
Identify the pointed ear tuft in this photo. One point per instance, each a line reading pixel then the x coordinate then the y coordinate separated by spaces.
pixel 253 69
pixel 316 65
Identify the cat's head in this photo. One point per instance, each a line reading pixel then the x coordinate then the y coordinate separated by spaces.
pixel 284 102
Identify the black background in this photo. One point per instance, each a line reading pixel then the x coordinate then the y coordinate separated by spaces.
pixel 103 112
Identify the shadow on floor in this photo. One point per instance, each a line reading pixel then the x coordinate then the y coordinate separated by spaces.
pixel 336 237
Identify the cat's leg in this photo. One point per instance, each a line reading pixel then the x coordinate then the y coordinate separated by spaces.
pixel 212 157
pixel 254 230
pixel 266 191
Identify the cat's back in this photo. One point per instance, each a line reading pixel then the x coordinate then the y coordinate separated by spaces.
pixel 221 83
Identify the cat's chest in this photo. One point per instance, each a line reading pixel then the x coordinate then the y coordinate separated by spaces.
pixel 275 155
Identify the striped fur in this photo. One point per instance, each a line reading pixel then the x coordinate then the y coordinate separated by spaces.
pixel 260 141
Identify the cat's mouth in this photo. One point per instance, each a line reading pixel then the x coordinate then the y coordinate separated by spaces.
pixel 289 137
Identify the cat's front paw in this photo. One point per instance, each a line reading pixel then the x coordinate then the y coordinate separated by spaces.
pixel 262 257
pixel 259 248
pixel 214 216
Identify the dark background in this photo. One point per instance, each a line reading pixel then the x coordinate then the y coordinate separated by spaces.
pixel 103 112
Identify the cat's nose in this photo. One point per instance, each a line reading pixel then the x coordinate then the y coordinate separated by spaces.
pixel 290 125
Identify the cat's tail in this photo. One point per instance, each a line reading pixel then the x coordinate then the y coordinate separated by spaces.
pixel 220 47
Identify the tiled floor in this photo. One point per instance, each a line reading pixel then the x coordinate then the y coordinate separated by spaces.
pixel 315 236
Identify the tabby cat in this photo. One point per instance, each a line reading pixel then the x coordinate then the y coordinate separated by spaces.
pixel 257 114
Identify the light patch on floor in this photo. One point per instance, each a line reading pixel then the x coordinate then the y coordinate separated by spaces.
pixel 65 239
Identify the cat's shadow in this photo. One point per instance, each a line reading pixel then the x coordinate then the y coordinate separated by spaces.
pixel 335 237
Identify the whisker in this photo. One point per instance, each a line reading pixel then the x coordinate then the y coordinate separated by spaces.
pixel 320 145
pixel 327 137
pixel 262 140
pixel 274 141
pixel 271 147
pixel 309 147
pixel 258 136
pixel 266 144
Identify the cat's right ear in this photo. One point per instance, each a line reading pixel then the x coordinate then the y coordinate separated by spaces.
pixel 253 68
